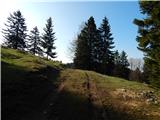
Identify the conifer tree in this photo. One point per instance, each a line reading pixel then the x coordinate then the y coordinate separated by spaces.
pixel 94 44
pixel 34 42
pixel 117 65
pixel 123 59
pixel 86 51
pixel 107 55
pixel 124 65
pixel 15 32
pixel 149 39
pixel 82 58
pixel 121 65
pixel 48 39
pixel 116 58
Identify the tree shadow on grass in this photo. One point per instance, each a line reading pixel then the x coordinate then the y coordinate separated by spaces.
pixel 23 92
pixel 71 106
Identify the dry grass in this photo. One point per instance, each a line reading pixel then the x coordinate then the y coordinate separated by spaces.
pixel 120 98
pixel 82 95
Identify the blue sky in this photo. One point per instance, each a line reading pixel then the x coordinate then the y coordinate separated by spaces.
pixel 68 17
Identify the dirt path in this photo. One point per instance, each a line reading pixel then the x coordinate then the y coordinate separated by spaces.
pixel 52 111
pixel 61 105
pixel 95 100
pixel 79 97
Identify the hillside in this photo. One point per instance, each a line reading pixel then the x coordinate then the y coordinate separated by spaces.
pixel 90 95
pixel 26 82
pixel 36 89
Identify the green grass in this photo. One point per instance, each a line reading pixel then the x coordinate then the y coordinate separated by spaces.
pixel 26 60
pixel 27 81
pixel 115 82
pixel 115 105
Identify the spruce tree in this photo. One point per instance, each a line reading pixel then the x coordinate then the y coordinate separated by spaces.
pixel 124 65
pixel 116 58
pixel 86 51
pixel 123 59
pixel 48 39
pixel 121 65
pixel 107 55
pixel 15 32
pixel 117 64
pixel 34 42
pixel 94 44
pixel 149 39
pixel 82 58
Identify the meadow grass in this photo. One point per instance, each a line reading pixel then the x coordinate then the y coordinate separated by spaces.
pixel 27 80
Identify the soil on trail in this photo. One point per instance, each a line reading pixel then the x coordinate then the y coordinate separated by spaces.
pixel 80 96
pixel 95 99
pixel 65 105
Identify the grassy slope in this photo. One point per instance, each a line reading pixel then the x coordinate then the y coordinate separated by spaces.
pixel 107 96
pixel 26 82
pixel 82 95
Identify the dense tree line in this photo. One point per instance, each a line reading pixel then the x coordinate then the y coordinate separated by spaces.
pixel 149 40
pixel 94 50
pixel 93 47
pixel 17 38
pixel 121 65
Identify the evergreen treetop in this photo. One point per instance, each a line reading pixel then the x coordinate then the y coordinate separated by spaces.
pixel 34 42
pixel 15 32
pixel 48 39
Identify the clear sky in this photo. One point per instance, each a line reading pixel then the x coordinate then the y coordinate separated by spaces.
pixel 68 16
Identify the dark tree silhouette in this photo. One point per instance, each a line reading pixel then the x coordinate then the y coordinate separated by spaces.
pixel 94 47
pixel 149 39
pixel 82 58
pixel 117 64
pixel 107 55
pixel 34 42
pixel 123 59
pixel 48 39
pixel 15 32
pixel 121 65
pixel 85 53
pixel 116 58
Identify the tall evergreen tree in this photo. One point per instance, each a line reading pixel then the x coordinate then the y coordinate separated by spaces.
pixel 107 55
pixel 117 64
pixel 34 42
pixel 94 44
pixel 149 39
pixel 123 59
pixel 124 65
pixel 121 65
pixel 86 51
pixel 48 39
pixel 15 32
pixel 116 58
pixel 82 57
